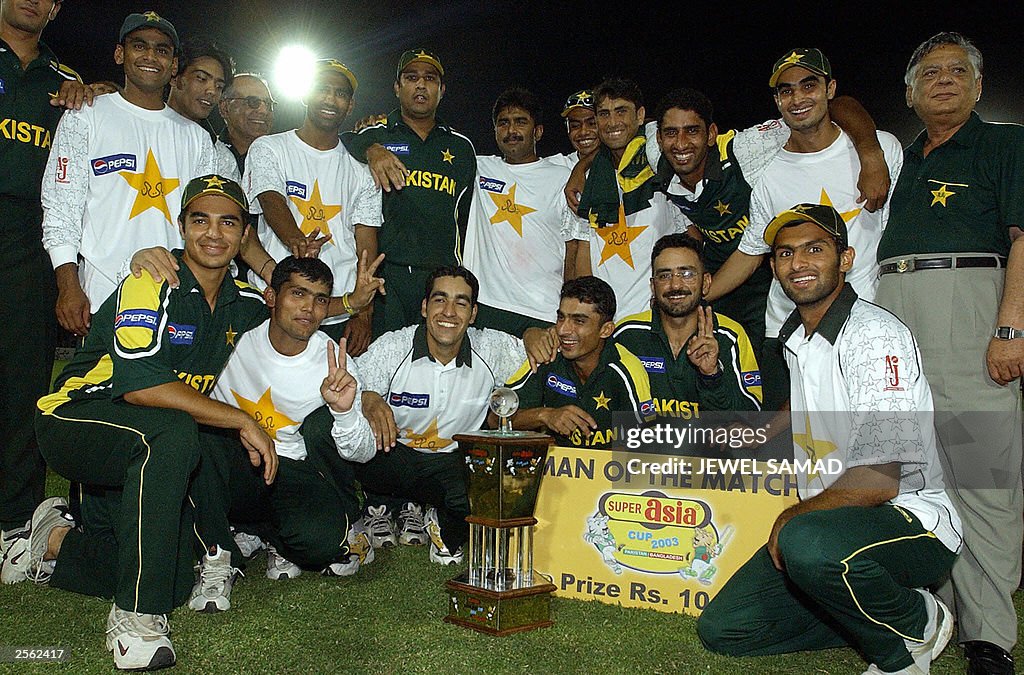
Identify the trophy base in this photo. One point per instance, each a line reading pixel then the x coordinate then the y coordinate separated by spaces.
pixel 498 612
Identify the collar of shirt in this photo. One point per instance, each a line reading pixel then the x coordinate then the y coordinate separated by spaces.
pixel 964 136
pixel 46 56
pixel 830 324
pixel 421 348
pixel 395 120
pixel 187 282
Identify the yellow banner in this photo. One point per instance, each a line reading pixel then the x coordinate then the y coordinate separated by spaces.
pixel 650 530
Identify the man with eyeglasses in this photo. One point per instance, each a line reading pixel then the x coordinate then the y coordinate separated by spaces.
pixel 247 109
pixel 310 192
pixel 697 360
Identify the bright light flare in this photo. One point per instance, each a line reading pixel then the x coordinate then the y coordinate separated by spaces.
pixel 293 72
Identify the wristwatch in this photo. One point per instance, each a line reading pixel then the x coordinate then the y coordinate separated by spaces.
pixel 1007 333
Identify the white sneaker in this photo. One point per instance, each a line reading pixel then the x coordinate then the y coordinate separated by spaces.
pixel 24 556
pixel 139 641
pixel 13 571
pixel 248 544
pixel 414 530
pixel 278 567
pixel 380 527
pixel 212 592
pixel 360 552
pixel 438 551
pixel 937 631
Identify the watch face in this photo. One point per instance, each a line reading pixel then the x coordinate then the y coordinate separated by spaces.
pixel 1003 333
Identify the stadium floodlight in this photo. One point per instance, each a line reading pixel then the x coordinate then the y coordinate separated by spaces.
pixel 293 72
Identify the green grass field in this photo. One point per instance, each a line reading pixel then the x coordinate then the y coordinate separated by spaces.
pixel 387 619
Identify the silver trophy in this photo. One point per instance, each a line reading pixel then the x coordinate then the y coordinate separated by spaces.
pixel 504 403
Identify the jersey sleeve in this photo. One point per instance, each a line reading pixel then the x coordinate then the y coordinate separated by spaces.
pixel 226 164
pixel 208 160
pixel 652 147
pixel 351 430
pixel 637 384
pixel 504 353
pixel 366 206
pixel 739 387
pixel 140 355
pixel 263 173
pixel 528 385
pixel 752 242
pixel 893 153
pixel 756 147
pixel 65 188
pixel 881 366
pixel 380 361
pixel 357 143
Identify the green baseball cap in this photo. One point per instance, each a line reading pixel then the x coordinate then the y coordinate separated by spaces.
pixel 212 184
pixel 811 59
pixel 581 99
pixel 822 215
pixel 338 67
pixel 413 55
pixel 150 19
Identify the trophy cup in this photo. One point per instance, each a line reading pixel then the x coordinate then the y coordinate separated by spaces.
pixel 500 593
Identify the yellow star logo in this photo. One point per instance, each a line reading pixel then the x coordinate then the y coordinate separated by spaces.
pixel 722 209
pixel 264 412
pixel 793 59
pixel 847 215
pixel 151 187
pixel 151 16
pixel 429 439
pixel 314 212
pixel 447 156
pixel 229 336
pixel 508 211
pixel 816 449
pixel 617 239
pixel 53 94
pixel 215 183
pixel 602 401
pixel 943 193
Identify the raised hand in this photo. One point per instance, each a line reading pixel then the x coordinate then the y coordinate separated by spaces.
pixel 339 387
pixel 702 349
pixel 367 285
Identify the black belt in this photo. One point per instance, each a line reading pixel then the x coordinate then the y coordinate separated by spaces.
pixel 949 262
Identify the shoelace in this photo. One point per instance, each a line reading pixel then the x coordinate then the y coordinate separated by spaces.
pixel 214 575
pixel 133 623
pixel 277 560
pixel 378 523
pixel 412 518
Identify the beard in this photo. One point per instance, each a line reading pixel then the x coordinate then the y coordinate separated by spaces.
pixel 680 303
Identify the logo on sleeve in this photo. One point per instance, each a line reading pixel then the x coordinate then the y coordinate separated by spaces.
pixel 407 400
pixel 647 409
pixel 892 374
pixel 752 378
pixel 104 165
pixel 62 169
pixel 652 364
pixel 136 318
pixel 492 184
pixel 398 148
pixel 295 189
pixel 562 386
pixel 181 334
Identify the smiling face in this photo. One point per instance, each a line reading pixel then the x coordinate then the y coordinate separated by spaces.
pixel 212 227
pixel 945 86
pixel 330 101
pixel 196 91
pixel 581 331
pixel 679 282
pixel 296 311
pixel 802 98
pixel 148 59
pixel 517 134
pixel 449 311
pixel 419 90
pixel 581 123
pixel 244 122
pixel 618 121
pixel 808 264
pixel 684 139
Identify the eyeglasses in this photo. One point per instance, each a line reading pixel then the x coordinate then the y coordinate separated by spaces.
pixel 254 102
pixel 685 275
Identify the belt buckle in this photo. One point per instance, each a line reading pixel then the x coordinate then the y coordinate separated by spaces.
pixel 903 265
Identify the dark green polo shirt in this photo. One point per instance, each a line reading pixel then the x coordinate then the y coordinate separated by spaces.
pixel 618 384
pixel 962 197
pixel 722 213
pixel 27 123
pixel 147 334
pixel 424 222
pixel 678 387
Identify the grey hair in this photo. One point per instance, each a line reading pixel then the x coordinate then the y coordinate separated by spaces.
pixel 230 90
pixel 937 40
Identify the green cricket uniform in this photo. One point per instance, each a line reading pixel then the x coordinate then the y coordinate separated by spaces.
pixel 721 212
pixel 27 122
pixel 618 384
pixel 134 462
pixel 942 260
pixel 425 222
pixel 679 389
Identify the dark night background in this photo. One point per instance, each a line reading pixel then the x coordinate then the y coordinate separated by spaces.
pixel 724 49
